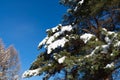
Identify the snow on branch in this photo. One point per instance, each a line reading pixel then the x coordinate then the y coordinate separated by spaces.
pixel 86 37
pixel 110 65
pixel 57 43
pixel 110 37
pixel 81 2
pixel 61 60
pixel 50 42
pixel 30 73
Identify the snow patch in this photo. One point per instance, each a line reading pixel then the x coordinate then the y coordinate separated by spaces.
pixel 117 44
pixel 111 54
pixel 109 65
pixel 103 47
pixel 55 44
pixel 107 39
pixel 81 2
pixel 57 32
pixel 86 37
pixel 54 29
pixel 52 38
pixel 42 42
pixel 30 73
pixel 61 60
pixel 104 29
pixel 110 32
pixel 49 64
pixel 66 28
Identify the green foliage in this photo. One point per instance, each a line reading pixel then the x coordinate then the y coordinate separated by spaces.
pixel 89 7
pixel 92 10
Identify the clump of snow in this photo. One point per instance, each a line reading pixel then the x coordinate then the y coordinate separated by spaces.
pixel 54 29
pixel 111 54
pixel 52 42
pixel 114 34
pixel 92 53
pixel 66 28
pixel 117 44
pixel 48 40
pixel 108 32
pixel 63 29
pixel 96 39
pixel 79 59
pixel 43 42
pixel 55 44
pixel 61 60
pixel 105 48
pixel 86 37
pixel 104 29
pixel 109 65
pixel 30 73
pixel 95 50
pixel 54 57
pixel 49 64
pixel 76 8
pixel 52 38
pixel 107 39
pixel 111 32
pixel 81 2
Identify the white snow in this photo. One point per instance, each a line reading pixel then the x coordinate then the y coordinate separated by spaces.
pixel 49 64
pixel 55 44
pixel 66 28
pixel 104 29
pixel 78 4
pixel 54 29
pixel 110 32
pixel 105 48
pixel 93 52
pixel 61 60
pixel 63 29
pixel 107 39
pixel 109 65
pixel 111 54
pixel 81 2
pixel 55 57
pixel 76 8
pixel 29 73
pixel 86 37
pixel 49 40
pixel 43 42
pixel 117 44
pixel 95 49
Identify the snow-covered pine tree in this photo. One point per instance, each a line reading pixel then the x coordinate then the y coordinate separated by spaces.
pixel 86 46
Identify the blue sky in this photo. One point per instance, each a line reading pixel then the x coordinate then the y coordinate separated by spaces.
pixel 23 24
